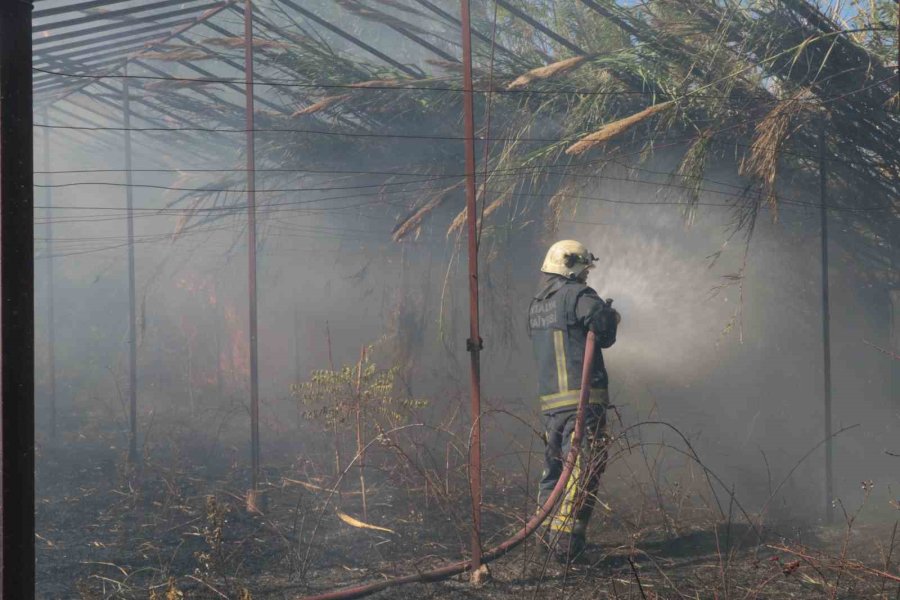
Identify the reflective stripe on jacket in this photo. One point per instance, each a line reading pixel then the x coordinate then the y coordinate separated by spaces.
pixel 558 336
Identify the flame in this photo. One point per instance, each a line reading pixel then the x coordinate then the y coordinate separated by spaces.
pixel 235 359
pixel 195 284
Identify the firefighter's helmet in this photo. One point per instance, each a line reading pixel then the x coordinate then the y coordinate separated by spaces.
pixel 568 258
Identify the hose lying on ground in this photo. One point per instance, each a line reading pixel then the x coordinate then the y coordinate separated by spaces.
pixel 530 527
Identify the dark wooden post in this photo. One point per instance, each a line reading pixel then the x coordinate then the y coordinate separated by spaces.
pixel 17 312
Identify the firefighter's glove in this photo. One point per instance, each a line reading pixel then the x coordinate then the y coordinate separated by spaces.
pixel 604 321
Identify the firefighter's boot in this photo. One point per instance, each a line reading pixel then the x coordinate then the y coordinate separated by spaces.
pixel 570 545
pixel 579 538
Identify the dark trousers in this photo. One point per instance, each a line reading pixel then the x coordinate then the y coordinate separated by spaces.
pixel 577 502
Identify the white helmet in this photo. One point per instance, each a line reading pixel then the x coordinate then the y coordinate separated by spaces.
pixel 568 258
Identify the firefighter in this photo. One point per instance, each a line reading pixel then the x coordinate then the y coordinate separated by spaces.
pixel 562 312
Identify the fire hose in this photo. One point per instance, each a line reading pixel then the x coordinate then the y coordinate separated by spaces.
pixel 530 527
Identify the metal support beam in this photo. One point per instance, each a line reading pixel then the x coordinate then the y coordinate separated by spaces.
pixel 212 11
pixel 455 22
pixel 542 28
pixel 251 252
pixel 17 303
pixel 474 342
pixel 826 329
pixel 350 38
pixel 55 46
pixel 124 13
pixel 132 305
pixel 48 244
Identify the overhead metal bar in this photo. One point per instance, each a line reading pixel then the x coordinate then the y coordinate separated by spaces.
pixel 124 45
pixel 124 12
pixel 89 33
pixel 100 40
pixel 202 92
pixel 351 38
pixel 70 8
pixel 540 27
pixel 228 62
pixel 208 14
pixel 454 21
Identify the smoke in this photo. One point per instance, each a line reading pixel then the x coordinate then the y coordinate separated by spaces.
pixel 730 350
pixel 726 350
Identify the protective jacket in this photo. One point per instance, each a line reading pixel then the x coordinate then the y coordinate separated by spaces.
pixel 560 315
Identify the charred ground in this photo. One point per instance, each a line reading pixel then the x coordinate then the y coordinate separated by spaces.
pixel 176 526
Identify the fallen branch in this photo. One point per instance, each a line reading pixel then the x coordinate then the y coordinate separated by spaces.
pixel 844 564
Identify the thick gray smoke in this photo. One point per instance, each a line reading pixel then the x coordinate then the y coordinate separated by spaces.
pixel 735 367
pixel 737 363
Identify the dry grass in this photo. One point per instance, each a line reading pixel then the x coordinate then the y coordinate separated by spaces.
pixel 613 130
pixel 460 219
pixel 769 138
pixel 377 16
pixel 376 83
pixel 411 222
pixel 179 54
pixel 175 84
pixel 238 42
pixel 558 202
pixel 545 72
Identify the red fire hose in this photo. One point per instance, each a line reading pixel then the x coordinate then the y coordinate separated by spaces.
pixel 529 528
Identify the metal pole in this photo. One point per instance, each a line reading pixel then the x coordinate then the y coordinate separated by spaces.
pixel 297 354
pixel 51 320
pixel 17 303
pixel 251 243
pixel 132 304
pixel 826 328
pixel 474 343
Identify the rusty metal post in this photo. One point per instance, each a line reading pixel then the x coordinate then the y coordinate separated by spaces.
pixel 48 245
pixel 132 303
pixel 251 252
pixel 474 343
pixel 826 329
pixel 17 300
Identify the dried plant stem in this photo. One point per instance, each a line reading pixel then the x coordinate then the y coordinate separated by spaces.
pixel 360 450
pixel 321 105
pixel 547 71
pixel 842 565
pixel 337 445
pixel 887 560
pixel 615 129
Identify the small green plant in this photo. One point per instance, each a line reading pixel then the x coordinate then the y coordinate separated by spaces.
pixel 333 397
pixel 348 398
